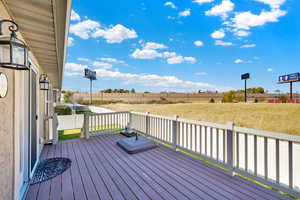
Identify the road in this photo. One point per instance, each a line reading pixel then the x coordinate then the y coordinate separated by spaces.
pixel 96 109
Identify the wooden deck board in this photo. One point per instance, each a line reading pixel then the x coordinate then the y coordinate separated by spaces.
pixel 101 170
pixel 197 182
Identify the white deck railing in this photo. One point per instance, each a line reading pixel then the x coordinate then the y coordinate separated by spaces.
pixel 269 157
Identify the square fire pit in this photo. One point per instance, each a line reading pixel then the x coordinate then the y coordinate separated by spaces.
pixel 138 144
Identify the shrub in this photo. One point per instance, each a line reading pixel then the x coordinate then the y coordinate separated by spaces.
pixel 283 98
pixel 212 100
pixel 255 100
pixel 101 102
pixel 63 110
pixel 228 97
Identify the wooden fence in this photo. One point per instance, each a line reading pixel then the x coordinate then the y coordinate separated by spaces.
pixel 269 157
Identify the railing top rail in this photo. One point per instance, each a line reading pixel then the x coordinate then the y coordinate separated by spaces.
pixel 153 115
pixel 262 133
pixel 269 134
pixel 202 123
pixel 107 113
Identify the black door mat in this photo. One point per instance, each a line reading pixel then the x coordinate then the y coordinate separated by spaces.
pixel 49 168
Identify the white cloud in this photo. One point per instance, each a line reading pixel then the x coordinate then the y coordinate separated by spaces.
pixel 115 34
pixel 272 3
pixel 83 59
pixel 190 59
pixel 150 51
pixel 218 34
pixel 170 4
pixel 175 60
pixel 74 16
pixel 185 13
pixel 222 43
pixel 238 61
pixel 74 67
pixel 112 60
pixel 270 70
pixel 149 80
pixel 248 45
pixel 198 43
pixel 201 73
pixel 202 1
pixel 153 45
pixel 221 10
pixel 246 20
pixel 102 65
pixel 156 81
pixel 168 54
pixel 242 33
pixel 145 54
pixel 84 29
pixel 70 41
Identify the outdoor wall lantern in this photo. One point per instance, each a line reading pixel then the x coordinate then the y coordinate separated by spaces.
pixel 44 82
pixel 13 52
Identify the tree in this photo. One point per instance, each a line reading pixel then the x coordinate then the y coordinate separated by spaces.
pixel 132 90
pixel 260 90
pixel 68 96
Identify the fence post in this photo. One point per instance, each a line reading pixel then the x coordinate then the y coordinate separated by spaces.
pixel 231 147
pixel 175 132
pixel 86 125
pixel 147 123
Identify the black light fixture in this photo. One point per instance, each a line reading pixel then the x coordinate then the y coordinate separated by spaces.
pixel 44 82
pixel 13 52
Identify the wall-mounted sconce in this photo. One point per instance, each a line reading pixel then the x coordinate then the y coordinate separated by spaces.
pixel 44 82
pixel 13 52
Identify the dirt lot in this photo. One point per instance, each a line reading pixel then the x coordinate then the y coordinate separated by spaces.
pixel 283 118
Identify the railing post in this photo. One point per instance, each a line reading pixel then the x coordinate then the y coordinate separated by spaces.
pixel 86 125
pixel 130 119
pixel 175 132
pixel 147 123
pixel 54 128
pixel 230 143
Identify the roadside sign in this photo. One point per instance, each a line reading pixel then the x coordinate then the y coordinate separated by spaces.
pixel 245 76
pixel 289 78
pixel 89 74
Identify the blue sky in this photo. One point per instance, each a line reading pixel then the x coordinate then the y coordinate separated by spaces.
pixel 183 46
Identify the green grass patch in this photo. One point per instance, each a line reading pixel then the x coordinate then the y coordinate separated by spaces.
pixel 69 134
pixel 75 133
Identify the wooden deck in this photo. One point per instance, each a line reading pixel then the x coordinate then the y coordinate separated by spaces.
pixel 101 170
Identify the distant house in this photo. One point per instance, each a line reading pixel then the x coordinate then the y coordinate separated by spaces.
pixel 26 122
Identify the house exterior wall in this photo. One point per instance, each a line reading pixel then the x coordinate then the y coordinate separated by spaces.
pixel 7 139
pixel 14 124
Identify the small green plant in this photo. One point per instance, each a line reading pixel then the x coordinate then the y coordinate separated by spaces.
pixel 63 110
pixel 67 96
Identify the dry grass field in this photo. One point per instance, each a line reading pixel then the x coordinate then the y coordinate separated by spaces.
pixel 283 118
